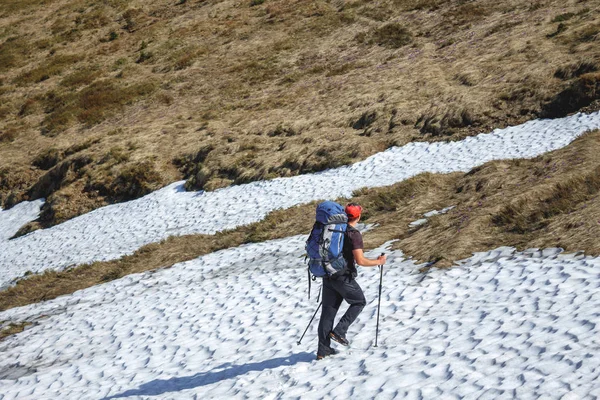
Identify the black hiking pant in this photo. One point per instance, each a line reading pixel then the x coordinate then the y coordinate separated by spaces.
pixel 334 291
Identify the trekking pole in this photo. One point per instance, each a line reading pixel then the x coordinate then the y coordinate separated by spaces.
pixel 311 320
pixel 379 302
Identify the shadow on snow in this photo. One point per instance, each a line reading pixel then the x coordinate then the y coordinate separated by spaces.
pixel 223 372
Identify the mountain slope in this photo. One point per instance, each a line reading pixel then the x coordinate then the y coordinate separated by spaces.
pixel 103 102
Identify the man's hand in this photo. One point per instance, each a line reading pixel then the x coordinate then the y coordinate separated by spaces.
pixel 381 259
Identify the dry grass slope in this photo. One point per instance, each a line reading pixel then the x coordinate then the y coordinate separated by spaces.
pixel 550 201
pixel 273 88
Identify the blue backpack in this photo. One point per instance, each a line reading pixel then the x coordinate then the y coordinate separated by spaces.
pixel 324 247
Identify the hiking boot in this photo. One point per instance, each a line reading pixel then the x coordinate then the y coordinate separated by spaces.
pixel 340 339
pixel 331 352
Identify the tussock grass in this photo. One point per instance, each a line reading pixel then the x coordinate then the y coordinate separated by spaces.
pixel 412 5
pixel 91 105
pixel 131 182
pixel 103 97
pixel 549 201
pixel 526 215
pixel 11 6
pixel 81 77
pixel 13 51
pixel 575 70
pixel 47 159
pixel 9 134
pixel 13 329
pixel 563 17
pixel 55 66
pixel 50 157
pixel 59 176
pixel 580 93
pixel 14 181
pixel 392 35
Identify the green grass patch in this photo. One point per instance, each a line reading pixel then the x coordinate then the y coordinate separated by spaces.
pixel 392 35
pixel 13 52
pixel 102 98
pixel 415 5
pixel 14 6
pixel 81 77
pixel 91 105
pixel 55 66
pixel 563 17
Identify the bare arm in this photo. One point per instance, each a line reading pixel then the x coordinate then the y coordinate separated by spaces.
pixel 363 261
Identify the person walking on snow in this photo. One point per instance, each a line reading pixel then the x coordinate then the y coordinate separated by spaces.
pixel 343 286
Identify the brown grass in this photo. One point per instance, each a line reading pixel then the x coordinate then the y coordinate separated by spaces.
pixel 81 77
pixel 13 329
pixel 13 51
pixel 54 66
pixel 132 181
pixel 550 201
pixel 10 6
pixel 91 105
pixel 525 216
pixel 13 181
pixel 9 134
pixel 581 93
pixel 576 69
pixel 392 35
pixel 179 77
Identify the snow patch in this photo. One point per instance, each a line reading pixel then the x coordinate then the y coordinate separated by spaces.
pixel 13 219
pixel 501 325
pixel 428 215
pixel 113 231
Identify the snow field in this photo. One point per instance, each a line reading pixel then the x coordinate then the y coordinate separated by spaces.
pixel 12 220
pixel 501 325
pixel 113 231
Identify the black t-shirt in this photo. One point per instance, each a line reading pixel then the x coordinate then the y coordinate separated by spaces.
pixel 352 241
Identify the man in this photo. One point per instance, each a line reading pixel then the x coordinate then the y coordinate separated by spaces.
pixel 342 286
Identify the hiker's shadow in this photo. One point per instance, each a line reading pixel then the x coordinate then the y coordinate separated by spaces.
pixel 222 372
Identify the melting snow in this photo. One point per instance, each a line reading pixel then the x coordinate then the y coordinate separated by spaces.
pixel 13 219
pixel 113 231
pixel 502 325
pixel 428 215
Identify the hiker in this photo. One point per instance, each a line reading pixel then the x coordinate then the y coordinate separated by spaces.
pixel 342 286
